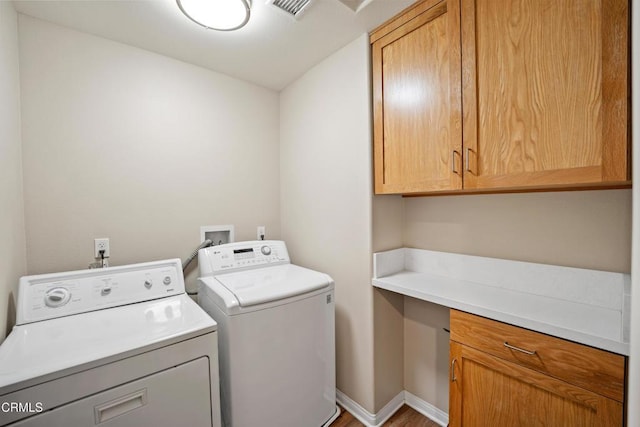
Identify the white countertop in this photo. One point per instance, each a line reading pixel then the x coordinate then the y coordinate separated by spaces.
pixel 587 306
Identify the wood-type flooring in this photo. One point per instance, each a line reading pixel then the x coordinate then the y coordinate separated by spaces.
pixel 404 417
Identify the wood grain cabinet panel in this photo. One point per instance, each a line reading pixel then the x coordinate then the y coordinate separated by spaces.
pixel 545 92
pixel 488 391
pixel 544 381
pixel 590 368
pixel 502 95
pixel 416 90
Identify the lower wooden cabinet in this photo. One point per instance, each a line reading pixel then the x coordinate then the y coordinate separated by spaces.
pixel 496 379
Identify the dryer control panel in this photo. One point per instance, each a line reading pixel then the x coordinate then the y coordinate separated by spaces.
pixel 241 256
pixel 47 296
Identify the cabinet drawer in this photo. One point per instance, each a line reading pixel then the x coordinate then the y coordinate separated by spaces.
pixel 596 370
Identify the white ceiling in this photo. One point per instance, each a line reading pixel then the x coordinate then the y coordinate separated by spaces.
pixel 272 50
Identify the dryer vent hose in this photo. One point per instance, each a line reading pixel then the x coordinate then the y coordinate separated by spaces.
pixel 187 261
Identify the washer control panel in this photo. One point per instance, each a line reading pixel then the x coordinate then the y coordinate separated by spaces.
pixel 241 256
pixel 54 295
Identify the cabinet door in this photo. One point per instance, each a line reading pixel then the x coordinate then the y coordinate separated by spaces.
pixel 545 90
pixel 488 391
pixel 417 102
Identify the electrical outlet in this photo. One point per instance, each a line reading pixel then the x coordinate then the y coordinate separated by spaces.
pixel 101 245
pixel 261 232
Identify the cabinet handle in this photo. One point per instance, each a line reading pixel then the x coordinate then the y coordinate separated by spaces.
pixel 521 350
pixel 453 161
pixel 466 160
pixel 453 372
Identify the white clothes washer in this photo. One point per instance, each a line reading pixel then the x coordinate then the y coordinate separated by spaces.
pixel 120 346
pixel 276 326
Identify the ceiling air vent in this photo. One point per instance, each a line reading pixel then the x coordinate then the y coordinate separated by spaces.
pixel 293 8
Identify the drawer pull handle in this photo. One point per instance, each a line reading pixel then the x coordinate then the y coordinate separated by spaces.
pixel 453 371
pixel 521 350
pixel 120 406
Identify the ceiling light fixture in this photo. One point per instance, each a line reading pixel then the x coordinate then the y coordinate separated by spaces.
pixel 221 15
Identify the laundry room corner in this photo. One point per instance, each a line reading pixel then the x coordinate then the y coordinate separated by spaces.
pixel 286 213
pixel 124 143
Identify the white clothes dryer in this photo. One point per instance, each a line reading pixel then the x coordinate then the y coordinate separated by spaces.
pixel 276 326
pixel 120 346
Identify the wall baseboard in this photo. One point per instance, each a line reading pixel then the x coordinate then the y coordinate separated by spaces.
pixel 426 409
pixel 378 419
pixel 364 416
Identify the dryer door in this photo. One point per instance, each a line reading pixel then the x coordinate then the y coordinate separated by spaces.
pixel 166 398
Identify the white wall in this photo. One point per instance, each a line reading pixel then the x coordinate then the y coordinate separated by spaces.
pixel 426 352
pixel 325 175
pixel 584 229
pixel 12 233
pixel 388 307
pixel 127 144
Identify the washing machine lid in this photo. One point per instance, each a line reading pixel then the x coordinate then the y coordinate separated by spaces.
pixel 263 285
pixel 45 350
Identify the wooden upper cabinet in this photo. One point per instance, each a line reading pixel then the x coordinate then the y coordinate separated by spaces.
pixel 545 92
pixel 417 102
pixel 502 95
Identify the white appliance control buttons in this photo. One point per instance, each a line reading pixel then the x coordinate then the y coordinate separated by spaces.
pixel 49 296
pixel 266 250
pixel 57 297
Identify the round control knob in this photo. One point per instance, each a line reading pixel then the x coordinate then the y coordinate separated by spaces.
pixel 266 250
pixel 148 283
pixel 167 280
pixel 57 297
